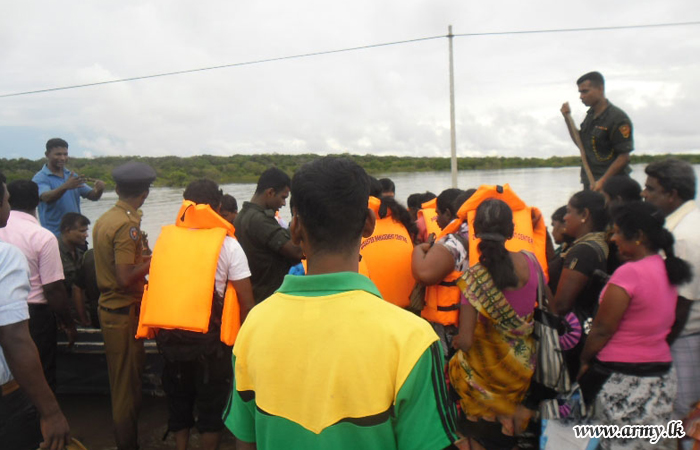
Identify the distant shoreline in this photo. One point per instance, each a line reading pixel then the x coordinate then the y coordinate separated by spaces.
pixel 175 171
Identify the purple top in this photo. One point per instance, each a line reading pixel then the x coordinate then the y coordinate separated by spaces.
pixel 521 300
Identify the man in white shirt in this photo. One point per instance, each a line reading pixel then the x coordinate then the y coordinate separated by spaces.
pixel 47 295
pixel 197 370
pixel 671 186
pixel 21 379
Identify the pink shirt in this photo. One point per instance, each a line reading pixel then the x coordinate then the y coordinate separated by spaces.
pixel 39 246
pixel 641 335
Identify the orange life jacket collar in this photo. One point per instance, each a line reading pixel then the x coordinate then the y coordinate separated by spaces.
pixel 201 216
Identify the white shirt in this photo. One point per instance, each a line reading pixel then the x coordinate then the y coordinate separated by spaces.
pixel 14 289
pixel 232 265
pixel 684 223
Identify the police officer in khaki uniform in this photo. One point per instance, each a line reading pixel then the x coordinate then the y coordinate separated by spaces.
pixel 121 269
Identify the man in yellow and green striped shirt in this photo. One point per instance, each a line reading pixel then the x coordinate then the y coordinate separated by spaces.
pixel 325 363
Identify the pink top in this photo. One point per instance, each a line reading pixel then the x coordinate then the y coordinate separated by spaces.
pixel 641 335
pixel 39 246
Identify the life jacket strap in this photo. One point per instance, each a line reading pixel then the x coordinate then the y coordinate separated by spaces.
pixel 454 307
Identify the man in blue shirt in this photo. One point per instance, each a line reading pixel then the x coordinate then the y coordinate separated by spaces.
pixel 59 188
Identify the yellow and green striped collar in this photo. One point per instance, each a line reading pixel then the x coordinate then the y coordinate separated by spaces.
pixel 327 284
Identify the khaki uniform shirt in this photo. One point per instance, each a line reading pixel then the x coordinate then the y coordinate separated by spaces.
pixel 117 240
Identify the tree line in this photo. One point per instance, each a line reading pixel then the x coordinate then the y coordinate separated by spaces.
pixel 175 171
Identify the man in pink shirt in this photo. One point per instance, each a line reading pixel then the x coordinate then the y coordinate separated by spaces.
pixel 47 296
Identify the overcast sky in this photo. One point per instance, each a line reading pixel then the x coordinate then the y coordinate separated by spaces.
pixel 391 100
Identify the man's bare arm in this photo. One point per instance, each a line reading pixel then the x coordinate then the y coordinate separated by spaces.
pixel 566 111
pixel 57 298
pixel 72 182
pixel 291 251
pixel 96 191
pixel 130 274
pixel 244 292
pixel 617 165
pixel 23 359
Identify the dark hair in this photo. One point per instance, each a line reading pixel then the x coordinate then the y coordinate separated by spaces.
pixel 596 79
pixel 446 199
pixel 204 192
pixel 399 213
pixel 55 143
pixel 387 185
pixel 638 217
pixel 229 203
pixel 330 196
pixel 559 214
pixel 24 195
pixel 414 201
pixel 2 187
pixel 461 198
pixel 594 202
pixel 493 224
pixel 624 187
pixel 427 197
pixel 375 187
pixel 673 174
pixel 72 220
pixel 131 190
pixel 273 178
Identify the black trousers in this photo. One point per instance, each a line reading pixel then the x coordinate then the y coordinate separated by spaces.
pixel 44 332
pixel 19 422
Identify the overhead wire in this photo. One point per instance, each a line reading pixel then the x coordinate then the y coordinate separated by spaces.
pixel 349 49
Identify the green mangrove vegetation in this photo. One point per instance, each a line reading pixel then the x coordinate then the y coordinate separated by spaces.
pixel 178 172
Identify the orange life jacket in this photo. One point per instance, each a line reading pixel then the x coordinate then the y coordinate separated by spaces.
pixel 387 254
pixel 180 291
pixel 442 300
pixel 429 213
pixel 525 236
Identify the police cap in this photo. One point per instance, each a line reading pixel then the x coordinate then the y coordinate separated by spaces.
pixel 134 172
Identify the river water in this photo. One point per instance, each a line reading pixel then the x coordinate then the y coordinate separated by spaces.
pixel 545 188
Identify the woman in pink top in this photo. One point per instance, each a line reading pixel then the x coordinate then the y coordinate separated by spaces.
pixel 626 358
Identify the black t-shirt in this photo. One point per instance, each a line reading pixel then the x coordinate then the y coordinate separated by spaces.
pixel 261 238
pixel 586 258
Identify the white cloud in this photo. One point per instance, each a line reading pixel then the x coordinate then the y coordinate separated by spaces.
pixel 386 100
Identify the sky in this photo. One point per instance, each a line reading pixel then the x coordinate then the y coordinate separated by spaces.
pixel 389 100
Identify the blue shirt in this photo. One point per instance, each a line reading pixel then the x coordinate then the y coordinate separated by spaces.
pixel 50 214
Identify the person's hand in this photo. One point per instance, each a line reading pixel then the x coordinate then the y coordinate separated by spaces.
pixel 598 186
pixel 521 418
pixel 565 109
pixel 55 430
pixel 99 185
pixel 71 333
pixel 424 247
pixel 459 342
pixel 73 181
pixel 463 444
pixel 84 320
